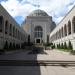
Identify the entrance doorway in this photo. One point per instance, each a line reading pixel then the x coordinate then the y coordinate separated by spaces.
pixel 37 40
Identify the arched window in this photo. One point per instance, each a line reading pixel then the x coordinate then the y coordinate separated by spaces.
pixel 56 36
pixel 38 32
pixel 73 23
pixel 16 33
pixel 6 27
pixel 1 23
pixel 10 30
pixel 65 30
pixel 62 31
pixel 69 27
pixel 13 31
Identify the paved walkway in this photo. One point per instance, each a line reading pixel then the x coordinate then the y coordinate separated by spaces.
pixel 37 70
pixel 47 55
pixel 56 55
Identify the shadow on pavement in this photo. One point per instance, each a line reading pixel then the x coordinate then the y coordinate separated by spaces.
pixel 37 50
pixel 20 63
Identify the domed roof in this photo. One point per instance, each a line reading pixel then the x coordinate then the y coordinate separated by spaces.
pixel 38 13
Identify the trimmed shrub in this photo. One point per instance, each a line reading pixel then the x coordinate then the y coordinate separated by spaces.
pixel 70 45
pixel 48 44
pixel 62 46
pixel 6 45
pixel 65 45
pixel 54 45
pixel 10 46
pixel 59 46
pixel 14 46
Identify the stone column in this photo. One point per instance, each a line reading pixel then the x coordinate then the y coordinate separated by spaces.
pixel 67 29
pixel 71 27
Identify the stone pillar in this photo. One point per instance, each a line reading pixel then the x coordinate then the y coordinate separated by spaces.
pixel 8 32
pixel 67 30
pixel 3 32
pixel 71 27
pixel 63 32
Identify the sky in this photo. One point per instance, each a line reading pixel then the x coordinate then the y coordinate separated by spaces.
pixel 19 9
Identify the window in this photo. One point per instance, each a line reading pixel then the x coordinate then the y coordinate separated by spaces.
pixel 69 27
pixel 10 29
pixel 1 23
pixel 6 27
pixel 38 31
pixel 73 23
pixel 65 30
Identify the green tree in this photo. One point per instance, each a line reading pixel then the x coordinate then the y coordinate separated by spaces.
pixel 13 45
pixel 65 45
pixel 54 45
pixel 70 45
pixel 62 46
pixel 10 46
pixel 6 45
pixel 59 45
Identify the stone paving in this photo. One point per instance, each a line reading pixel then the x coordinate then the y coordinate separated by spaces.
pixel 38 70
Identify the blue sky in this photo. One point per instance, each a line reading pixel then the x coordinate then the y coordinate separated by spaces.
pixel 19 9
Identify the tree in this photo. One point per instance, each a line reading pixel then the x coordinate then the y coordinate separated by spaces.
pixel 10 46
pixel 65 45
pixel 59 45
pixel 6 45
pixel 62 46
pixel 47 39
pixel 28 39
pixel 13 45
pixel 70 45
pixel 54 45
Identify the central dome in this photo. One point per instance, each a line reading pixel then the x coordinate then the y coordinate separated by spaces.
pixel 38 13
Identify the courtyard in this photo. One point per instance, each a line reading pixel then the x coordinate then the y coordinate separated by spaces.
pixel 22 62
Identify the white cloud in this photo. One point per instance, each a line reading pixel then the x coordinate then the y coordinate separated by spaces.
pixel 56 8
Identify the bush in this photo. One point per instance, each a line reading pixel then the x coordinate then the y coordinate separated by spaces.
pixel 6 45
pixel 70 46
pixel 48 44
pixel 14 46
pixel 65 45
pixel 10 46
pixel 53 46
pixel 59 46
pixel 62 46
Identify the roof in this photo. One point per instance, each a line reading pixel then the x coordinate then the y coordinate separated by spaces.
pixel 38 12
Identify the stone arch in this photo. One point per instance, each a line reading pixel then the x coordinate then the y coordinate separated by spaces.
pixel 6 27
pixel 38 31
pixel 73 24
pixel 10 29
pixel 62 32
pixel 1 23
pixel 65 30
pixel 69 27
pixel 13 31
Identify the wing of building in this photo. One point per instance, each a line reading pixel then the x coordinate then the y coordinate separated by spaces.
pixel 38 25
pixel 10 31
pixel 65 30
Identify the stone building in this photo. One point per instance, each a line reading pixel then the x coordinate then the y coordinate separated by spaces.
pixel 65 30
pixel 38 25
pixel 10 31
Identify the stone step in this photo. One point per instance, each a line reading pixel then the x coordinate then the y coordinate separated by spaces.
pixel 36 63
